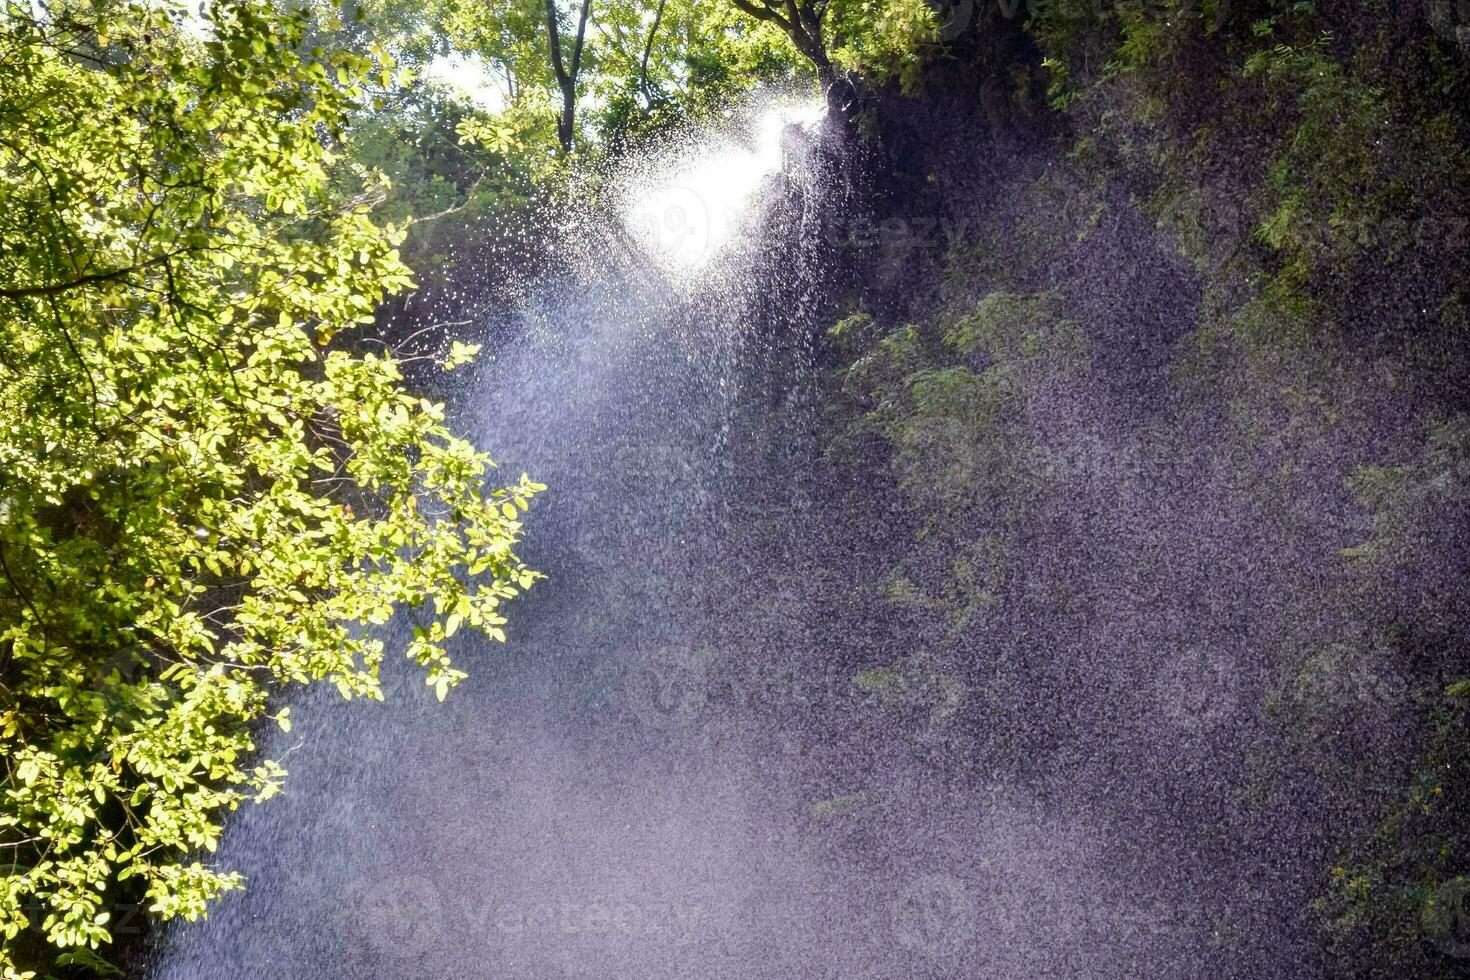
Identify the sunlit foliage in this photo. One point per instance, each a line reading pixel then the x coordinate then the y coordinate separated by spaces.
pixel 203 499
pixel 652 63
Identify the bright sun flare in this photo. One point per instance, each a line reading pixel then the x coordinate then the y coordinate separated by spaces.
pixel 686 208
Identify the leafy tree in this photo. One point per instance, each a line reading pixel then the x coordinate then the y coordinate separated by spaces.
pixel 675 60
pixel 537 46
pixel 864 37
pixel 555 59
pixel 203 499
pixel 661 60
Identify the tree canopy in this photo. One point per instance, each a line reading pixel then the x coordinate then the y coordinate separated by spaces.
pixel 206 496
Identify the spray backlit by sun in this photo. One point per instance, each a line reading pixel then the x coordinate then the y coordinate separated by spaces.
pixel 683 207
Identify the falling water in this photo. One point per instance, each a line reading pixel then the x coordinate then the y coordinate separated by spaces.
pixel 668 771
pixel 567 812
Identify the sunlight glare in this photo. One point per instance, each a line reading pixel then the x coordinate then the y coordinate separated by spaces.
pixel 686 208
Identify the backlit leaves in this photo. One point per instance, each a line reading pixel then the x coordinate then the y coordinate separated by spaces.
pixel 203 497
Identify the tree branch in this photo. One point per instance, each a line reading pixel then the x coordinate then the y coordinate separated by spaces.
pixel 581 39
pixel 555 32
pixel 762 12
pixel 52 289
pixel 24 597
pixel 453 209
pixel 658 17
pixel 802 22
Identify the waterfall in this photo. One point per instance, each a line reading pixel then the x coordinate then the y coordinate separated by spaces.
pixel 675 767
pixel 567 812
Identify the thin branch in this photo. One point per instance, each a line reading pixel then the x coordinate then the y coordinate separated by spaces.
pixel 81 363
pixel 25 598
pixel 658 17
pixel 762 12
pixel 52 289
pixel 581 39
pixel 454 209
